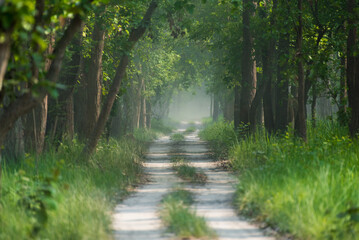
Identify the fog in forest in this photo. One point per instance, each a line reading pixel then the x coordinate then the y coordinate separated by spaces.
pixel 192 105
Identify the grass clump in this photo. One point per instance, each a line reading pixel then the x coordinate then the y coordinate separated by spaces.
pixel 306 189
pixel 190 129
pixel 189 173
pixel 62 198
pixel 180 219
pixel 177 137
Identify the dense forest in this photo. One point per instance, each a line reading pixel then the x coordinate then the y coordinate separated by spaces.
pixel 85 85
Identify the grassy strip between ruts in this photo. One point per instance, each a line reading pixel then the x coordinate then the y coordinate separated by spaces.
pixel 55 197
pixel 177 137
pixel 187 172
pixel 180 219
pixel 307 190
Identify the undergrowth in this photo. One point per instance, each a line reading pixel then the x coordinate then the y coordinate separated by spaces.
pixel 306 189
pixel 181 219
pixel 53 196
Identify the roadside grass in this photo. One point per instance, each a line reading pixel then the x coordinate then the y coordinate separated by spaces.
pixel 65 199
pixel 307 190
pixel 189 173
pixel 158 128
pixel 145 135
pixel 163 126
pixel 180 219
pixel 177 137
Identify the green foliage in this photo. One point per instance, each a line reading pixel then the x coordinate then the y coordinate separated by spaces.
pixel 177 137
pixel 307 190
pixel 180 219
pixel 73 203
pixel 189 173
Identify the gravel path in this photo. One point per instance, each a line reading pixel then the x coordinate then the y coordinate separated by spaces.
pixel 136 218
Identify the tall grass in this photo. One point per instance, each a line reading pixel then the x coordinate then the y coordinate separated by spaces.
pixel 309 190
pixel 220 135
pixel 68 199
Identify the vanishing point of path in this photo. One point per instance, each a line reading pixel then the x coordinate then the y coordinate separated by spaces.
pixel 136 218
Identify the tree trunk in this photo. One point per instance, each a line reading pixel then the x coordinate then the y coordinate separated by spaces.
pixel 267 78
pixel 353 70
pixel 143 107
pixel 5 47
pixel 228 106
pixel 249 78
pixel 301 128
pixel 236 107
pixel 93 79
pixel 135 35
pixel 149 114
pixel 282 85
pixel 215 107
pixel 313 104
pixel 36 121
pixel 343 95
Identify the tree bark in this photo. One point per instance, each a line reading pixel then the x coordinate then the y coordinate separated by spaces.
pixel 92 79
pixel 301 129
pixel 143 107
pixel 135 35
pixel 353 70
pixel 282 85
pixel 5 48
pixel 215 107
pixel 343 94
pixel 249 78
pixel 149 115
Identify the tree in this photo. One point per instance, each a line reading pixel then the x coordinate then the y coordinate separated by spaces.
pixel 134 36
pixel 352 68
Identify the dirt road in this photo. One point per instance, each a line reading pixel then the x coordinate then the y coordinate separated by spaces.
pixel 137 218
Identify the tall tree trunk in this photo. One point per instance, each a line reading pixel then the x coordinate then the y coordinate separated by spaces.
pixel 36 121
pixel 249 78
pixel 143 107
pixel 135 35
pixel 66 97
pixel 313 104
pixel 215 107
pixel 301 128
pixel 5 47
pixel 353 70
pixel 149 115
pixel 282 85
pixel 93 79
pixel 267 78
pixel 228 106
pixel 343 95
pixel 236 107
